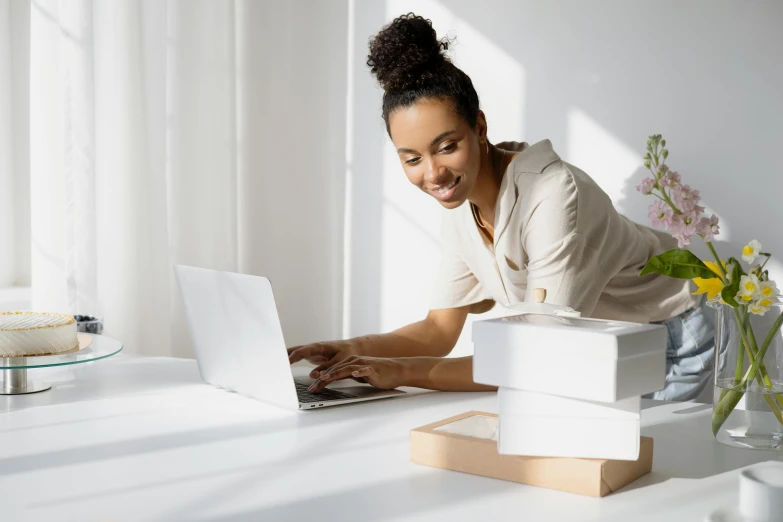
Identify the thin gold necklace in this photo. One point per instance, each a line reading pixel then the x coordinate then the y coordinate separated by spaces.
pixel 478 219
pixel 476 216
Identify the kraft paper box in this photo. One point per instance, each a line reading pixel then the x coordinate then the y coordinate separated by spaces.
pixel 582 358
pixel 542 425
pixel 466 443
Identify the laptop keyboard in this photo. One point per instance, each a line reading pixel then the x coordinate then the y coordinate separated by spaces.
pixel 324 395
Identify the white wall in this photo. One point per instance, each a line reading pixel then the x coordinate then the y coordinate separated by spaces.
pixel 7 237
pixel 597 78
pixel 20 85
pixel 292 144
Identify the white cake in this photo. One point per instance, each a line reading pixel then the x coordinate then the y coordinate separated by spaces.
pixel 36 333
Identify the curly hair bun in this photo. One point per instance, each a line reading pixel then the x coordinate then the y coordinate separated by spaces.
pixel 406 54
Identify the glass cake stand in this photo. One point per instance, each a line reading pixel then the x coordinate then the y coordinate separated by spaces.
pixel 92 348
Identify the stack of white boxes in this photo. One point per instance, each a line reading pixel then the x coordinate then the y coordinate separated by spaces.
pixel 569 386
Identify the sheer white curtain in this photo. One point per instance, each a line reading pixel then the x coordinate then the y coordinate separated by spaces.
pixel 7 231
pixel 209 133
pixel 14 143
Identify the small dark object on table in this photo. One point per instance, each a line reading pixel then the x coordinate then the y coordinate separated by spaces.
pixel 88 324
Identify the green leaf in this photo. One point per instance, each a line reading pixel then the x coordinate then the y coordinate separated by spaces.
pixel 737 267
pixel 730 291
pixel 682 264
pixel 728 297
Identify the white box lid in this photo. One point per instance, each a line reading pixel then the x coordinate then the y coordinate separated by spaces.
pixel 570 336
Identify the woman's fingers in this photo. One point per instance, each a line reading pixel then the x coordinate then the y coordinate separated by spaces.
pixel 369 375
pixel 335 374
pixel 325 366
pixel 297 354
pixel 332 364
pixel 307 352
pixel 367 371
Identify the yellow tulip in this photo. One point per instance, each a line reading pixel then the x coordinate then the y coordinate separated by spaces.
pixel 712 265
pixel 712 287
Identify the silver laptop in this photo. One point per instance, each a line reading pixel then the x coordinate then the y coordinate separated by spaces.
pixel 238 341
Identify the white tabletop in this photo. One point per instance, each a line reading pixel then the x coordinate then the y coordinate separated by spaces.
pixel 144 439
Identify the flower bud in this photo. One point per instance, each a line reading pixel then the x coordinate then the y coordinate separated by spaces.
pixel 663 143
pixel 647 164
pixel 665 153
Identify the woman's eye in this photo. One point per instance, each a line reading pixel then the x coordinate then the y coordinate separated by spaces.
pixel 448 148
pixel 412 161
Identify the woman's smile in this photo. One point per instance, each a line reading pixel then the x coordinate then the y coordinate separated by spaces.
pixel 446 191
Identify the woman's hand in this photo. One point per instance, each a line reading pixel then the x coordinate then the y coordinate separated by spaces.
pixel 381 372
pixel 324 354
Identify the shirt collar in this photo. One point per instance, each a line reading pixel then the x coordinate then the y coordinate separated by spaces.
pixel 531 159
pixel 535 158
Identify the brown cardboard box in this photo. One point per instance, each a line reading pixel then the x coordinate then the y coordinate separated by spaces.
pixel 479 456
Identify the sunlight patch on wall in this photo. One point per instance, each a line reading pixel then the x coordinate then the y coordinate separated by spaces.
pixel 609 161
pixel 411 246
pixel 499 79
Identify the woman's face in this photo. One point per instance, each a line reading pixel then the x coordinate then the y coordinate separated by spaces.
pixel 439 152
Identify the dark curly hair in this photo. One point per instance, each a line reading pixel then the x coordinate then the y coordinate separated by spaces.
pixel 410 64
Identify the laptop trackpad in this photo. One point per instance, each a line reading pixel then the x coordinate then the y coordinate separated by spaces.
pixel 366 391
pixel 352 387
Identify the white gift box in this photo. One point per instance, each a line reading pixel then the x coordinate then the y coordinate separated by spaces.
pixel 591 359
pixel 541 425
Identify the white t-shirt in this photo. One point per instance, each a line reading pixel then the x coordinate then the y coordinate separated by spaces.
pixel 556 229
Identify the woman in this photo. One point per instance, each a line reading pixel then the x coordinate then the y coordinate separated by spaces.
pixel 520 218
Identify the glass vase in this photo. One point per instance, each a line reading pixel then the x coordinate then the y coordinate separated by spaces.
pixel 748 395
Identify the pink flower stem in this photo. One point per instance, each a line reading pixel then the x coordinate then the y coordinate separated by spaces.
pixel 670 203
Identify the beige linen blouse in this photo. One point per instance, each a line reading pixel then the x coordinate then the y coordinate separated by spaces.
pixel 556 229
